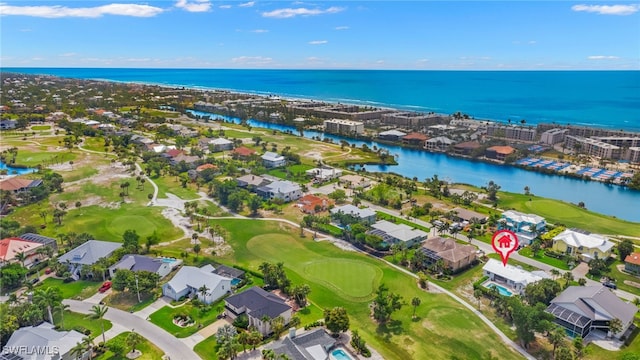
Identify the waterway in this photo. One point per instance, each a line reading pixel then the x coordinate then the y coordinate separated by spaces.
pixel 606 199
pixel 14 170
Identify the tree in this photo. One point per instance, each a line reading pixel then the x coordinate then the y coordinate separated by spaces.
pixel 384 304
pixel 255 203
pixel 78 351
pixel 196 249
pixel 244 340
pixel 58 214
pixel 97 313
pixel 415 302
pixel 133 339
pixel 542 291
pixel 131 241
pixel 277 326
pixel 615 326
pixel 557 338
pixel 578 344
pixel 88 344
pixel 43 215
pixel 227 340
pixel 582 281
pixel 598 267
pixel 300 293
pixel 50 298
pixel 477 293
pixel 529 319
pixel 255 337
pixel 625 248
pixel 12 275
pixel 203 290
pixel 336 320
pixel 338 195
pixel 492 191
pixel 535 247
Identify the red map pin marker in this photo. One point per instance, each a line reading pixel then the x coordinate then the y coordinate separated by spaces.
pixel 504 242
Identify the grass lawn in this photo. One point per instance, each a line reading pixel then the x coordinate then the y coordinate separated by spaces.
pixel 526 251
pixel 128 301
pixel 94 144
pixel 398 220
pixel 207 348
pixel 294 172
pixel 149 351
pixel 46 157
pixel 164 318
pixel 559 212
pixel 620 277
pixel 41 127
pixel 78 290
pixel 74 320
pixel 169 184
pixel 444 322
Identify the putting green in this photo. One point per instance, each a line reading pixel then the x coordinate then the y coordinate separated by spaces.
pixel 350 278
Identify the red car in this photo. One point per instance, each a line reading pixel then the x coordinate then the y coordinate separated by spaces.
pixel 48 271
pixel 106 286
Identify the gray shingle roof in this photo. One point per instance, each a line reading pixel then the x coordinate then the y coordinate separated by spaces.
pixel 89 252
pixel 299 347
pixel 136 262
pixel 229 272
pixel 42 337
pixel 258 303
pixel 596 303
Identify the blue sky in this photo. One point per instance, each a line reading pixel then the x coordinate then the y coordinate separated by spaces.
pixel 321 35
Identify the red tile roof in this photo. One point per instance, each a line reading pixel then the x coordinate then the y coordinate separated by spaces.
pixel 244 151
pixel 506 150
pixel 206 166
pixel 633 258
pixel 415 136
pixel 9 247
pixel 174 152
pixel 309 202
pixel 14 183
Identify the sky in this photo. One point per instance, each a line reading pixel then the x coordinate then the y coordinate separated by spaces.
pixel 430 35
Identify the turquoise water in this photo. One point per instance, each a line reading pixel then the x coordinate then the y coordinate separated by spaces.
pixel 620 202
pixel 340 354
pixel 14 170
pixel 235 282
pixel 168 260
pixel 594 98
pixel 501 289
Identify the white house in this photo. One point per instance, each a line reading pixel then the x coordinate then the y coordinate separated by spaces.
pixel 273 160
pixel 526 226
pixel 324 174
pixel 220 144
pixel 397 233
pixel 190 279
pixel 280 189
pixel 42 342
pixel 512 276
pixel 364 215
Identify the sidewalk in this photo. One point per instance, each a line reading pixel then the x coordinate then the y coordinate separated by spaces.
pixel 153 307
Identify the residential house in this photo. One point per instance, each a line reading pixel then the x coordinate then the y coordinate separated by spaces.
pixel 354 214
pixel 462 214
pixel 260 307
pixel 136 262
pixel 281 189
pixel 18 185
pixel 355 181
pixel 312 204
pixel 205 167
pixel 583 309
pixel 243 152
pixel 440 143
pixel 324 174
pixel 273 160
pixel 42 342
pixel 397 233
pixel 46 241
pixel 583 244
pixel 189 281
pixel 466 148
pixel 251 181
pixel 415 139
pixel 236 275
pixel 10 247
pixel 632 263
pixel 188 159
pixel 455 256
pixel 499 152
pixel 511 276
pixel 8 124
pixel 219 144
pixel 87 253
pixel 391 135
pixel 311 345
pixel 526 226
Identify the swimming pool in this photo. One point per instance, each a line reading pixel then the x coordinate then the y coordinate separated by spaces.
pixel 168 260
pixel 340 354
pixel 235 282
pixel 501 289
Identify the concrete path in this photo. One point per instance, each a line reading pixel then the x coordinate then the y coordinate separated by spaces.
pixel 122 320
pixel 98 297
pixel 153 307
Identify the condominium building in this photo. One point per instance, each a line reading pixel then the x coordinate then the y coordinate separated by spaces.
pixel 593 147
pixel 553 136
pixel 512 132
pixel 412 119
pixel 339 126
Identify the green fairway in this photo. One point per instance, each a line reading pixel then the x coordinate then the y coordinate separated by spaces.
pixel 41 127
pixel 343 278
pixel 559 212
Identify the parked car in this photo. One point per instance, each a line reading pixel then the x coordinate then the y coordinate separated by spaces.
pixel 105 286
pixel 35 280
pixel 48 271
pixel 610 285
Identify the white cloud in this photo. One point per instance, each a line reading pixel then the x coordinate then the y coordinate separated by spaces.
pixel 602 57
pixel 197 6
pixel 248 4
pixel 532 42
pixel 318 42
pixel 225 6
pixel 251 60
pixel 289 12
pixel 68 54
pixel 341 28
pixel 608 9
pixel 58 11
pixel 259 31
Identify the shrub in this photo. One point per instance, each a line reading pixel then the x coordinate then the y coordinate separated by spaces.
pixel 241 321
pixel 82 330
pixel 314 325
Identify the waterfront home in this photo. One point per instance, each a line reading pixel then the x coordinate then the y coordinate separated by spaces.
pixel 251 182
pixel 397 233
pixel 526 226
pixel 415 139
pixel 19 185
pixel 440 143
pixel 391 135
pixel 87 253
pixel 311 345
pixel 581 310
pixel 466 148
pixel 136 262
pixel 582 244
pixel 312 204
pixel 499 152
pixel 324 174
pixel 514 277
pixel 347 214
pixel 553 136
pixel 190 281
pixel 260 307
pixel 280 189
pixel 273 160
pixel 632 263
pixel 10 247
pixel 43 342
pixel 455 256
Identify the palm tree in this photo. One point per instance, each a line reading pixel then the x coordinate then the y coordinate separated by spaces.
pixel 88 344
pixel 50 297
pixel 555 273
pixel 97 313
pixel 78 351
pixel 203 291
pixel 415 302
pixel 477 293
pixel 21 256
pixel 62 307
pixel 133 339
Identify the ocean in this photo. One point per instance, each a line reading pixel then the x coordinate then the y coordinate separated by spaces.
pixel 608 99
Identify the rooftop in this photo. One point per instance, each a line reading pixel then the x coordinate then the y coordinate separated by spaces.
pixel 513 273
pixel 519 217
pixel 353 211
pixel 577 238
pixel 592 302
pixel 633 258
pixel 89 252
pixel 258 303
pixel 10 247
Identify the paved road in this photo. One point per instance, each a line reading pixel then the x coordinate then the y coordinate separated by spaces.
pixel 173 347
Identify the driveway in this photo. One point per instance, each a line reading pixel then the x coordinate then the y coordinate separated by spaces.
pixel 98 297
pixel 172 347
